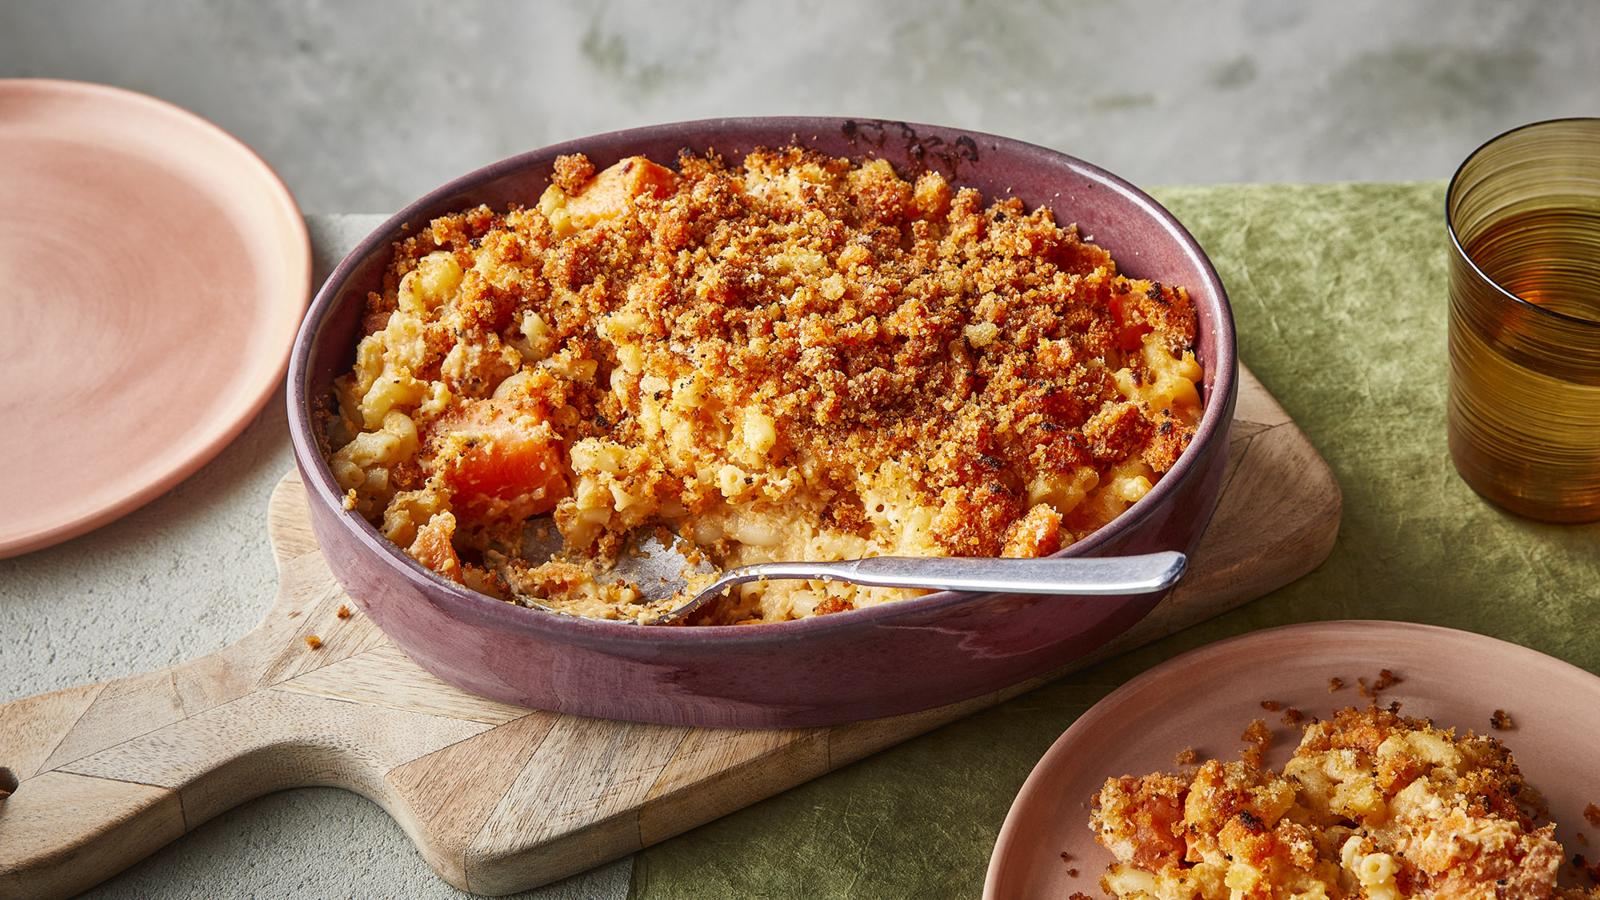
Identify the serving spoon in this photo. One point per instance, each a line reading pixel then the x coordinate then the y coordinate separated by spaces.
pixel 659 571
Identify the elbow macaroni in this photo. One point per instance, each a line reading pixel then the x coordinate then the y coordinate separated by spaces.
pixel 1372 805
pixel 747 359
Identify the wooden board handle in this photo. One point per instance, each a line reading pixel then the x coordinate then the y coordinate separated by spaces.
pixel 108 773
pixel 61 830
pixel 102 775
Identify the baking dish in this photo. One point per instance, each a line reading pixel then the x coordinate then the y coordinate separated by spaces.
pixel 871 662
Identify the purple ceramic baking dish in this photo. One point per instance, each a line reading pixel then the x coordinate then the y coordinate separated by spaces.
pixel 877 661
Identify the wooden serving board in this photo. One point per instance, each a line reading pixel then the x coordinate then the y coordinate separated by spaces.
pixel 499 798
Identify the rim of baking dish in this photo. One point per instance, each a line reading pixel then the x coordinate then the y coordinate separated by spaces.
pixel 465 603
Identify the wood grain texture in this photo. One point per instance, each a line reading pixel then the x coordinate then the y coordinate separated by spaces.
pixel 499 798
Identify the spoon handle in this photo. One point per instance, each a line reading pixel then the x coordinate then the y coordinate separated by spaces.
pixel 1083 576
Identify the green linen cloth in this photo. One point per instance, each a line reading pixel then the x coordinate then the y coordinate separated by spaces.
pixel 1339 296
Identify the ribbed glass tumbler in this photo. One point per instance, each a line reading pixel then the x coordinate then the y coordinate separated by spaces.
pixel 1523 214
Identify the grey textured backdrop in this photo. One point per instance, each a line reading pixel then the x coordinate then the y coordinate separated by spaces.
pixel 362 106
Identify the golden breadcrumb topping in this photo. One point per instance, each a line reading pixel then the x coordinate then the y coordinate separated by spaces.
pixel 793 357
pixel 1371 805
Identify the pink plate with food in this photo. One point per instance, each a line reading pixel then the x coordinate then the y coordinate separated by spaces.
pixel 155 271
pixel 1331 759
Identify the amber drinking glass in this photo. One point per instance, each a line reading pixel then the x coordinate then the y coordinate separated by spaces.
pixel 1524 218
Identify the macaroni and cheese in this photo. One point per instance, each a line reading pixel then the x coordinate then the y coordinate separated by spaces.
pixel 1372 805
pixel 792 357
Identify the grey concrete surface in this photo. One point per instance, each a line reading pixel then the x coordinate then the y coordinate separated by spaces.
pixel 364 105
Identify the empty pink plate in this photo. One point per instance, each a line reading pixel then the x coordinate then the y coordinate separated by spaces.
pixel 152 273
pixel 1205 698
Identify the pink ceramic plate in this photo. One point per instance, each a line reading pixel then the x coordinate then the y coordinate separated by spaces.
pixel 152 273
pixel 1205 698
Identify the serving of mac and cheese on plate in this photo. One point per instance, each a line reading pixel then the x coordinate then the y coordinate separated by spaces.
pixel 789 356
pixel 1372 805
pixel 1459 774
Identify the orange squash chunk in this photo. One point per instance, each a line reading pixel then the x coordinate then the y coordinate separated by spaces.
pixel 609 193
pixel 500 461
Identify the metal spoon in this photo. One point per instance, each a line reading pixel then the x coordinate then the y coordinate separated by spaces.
pixel 1084 576
pixel 659 571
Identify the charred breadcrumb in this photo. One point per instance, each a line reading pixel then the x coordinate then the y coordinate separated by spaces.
pixel 1258 740
pixel 1500 720
pixel 572 172
pixel 1371 804
pixel 1335 684
pixel 832 605
pixel 1373 691
pixel 697 347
